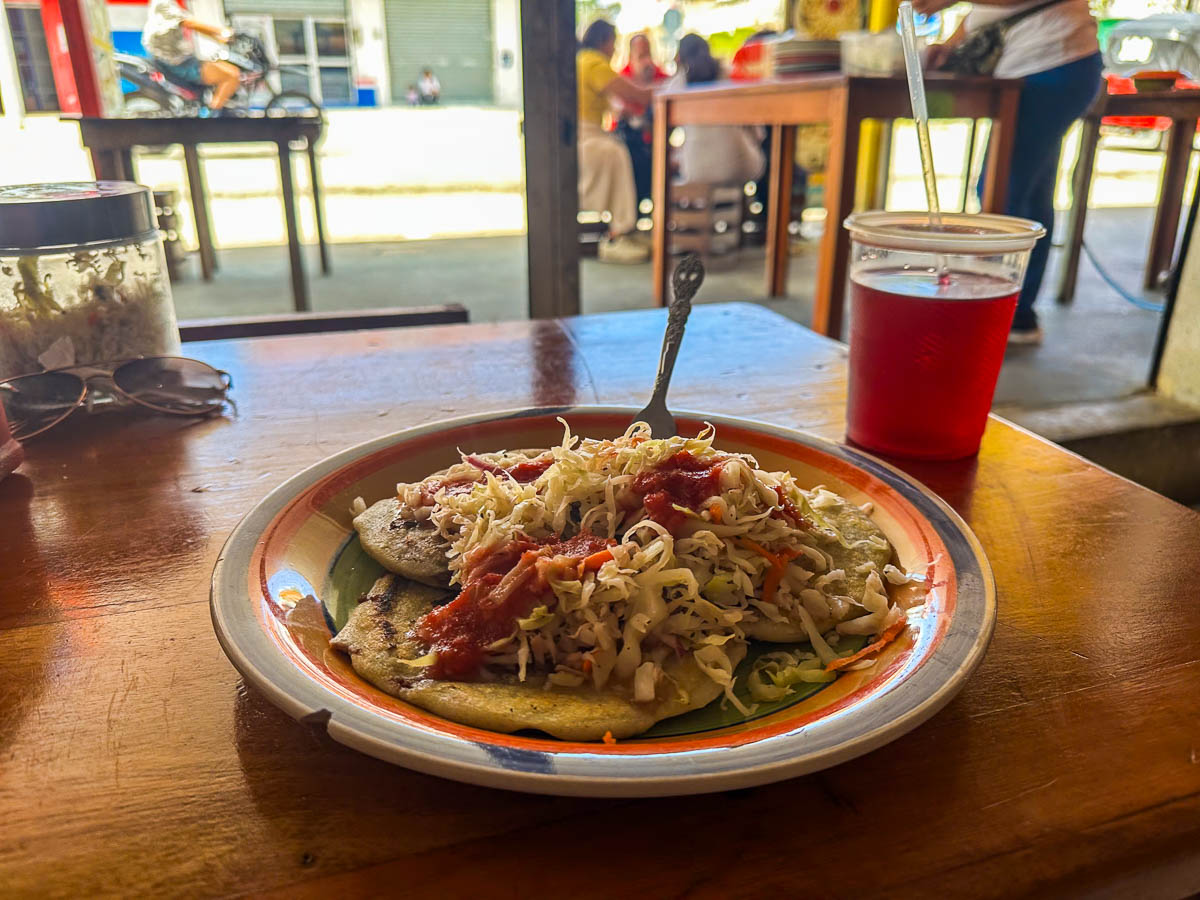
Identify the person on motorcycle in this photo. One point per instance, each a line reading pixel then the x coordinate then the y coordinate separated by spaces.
pixel 168 38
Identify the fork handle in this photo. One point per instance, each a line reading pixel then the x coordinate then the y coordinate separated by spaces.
pixel 677 316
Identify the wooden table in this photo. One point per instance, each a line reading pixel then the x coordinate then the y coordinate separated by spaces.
pixel 111 142
pixel 1183 109
pixel 134 761
pixel 843 102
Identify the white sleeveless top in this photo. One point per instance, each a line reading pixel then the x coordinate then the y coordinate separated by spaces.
pixel 1060 34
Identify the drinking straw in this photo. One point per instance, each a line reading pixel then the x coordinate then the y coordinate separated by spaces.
pixel 916 91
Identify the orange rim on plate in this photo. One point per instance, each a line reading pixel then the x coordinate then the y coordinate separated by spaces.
pixel 288 548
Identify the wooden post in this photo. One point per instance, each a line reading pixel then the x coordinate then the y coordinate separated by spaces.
pixel 551 168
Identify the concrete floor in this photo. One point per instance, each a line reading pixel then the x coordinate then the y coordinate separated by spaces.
pixel 1096 349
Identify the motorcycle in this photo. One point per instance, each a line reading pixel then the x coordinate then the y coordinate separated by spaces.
pixel 156 93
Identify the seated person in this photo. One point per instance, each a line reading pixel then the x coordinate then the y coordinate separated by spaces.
pixel 714 154
pixel 429 87
pixel 634 125
pixel 168 39
pixel 605 170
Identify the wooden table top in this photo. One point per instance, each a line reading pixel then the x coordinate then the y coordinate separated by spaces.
pixel 822 81
pixel 105 133
pixel 134 761
pixel 1176 103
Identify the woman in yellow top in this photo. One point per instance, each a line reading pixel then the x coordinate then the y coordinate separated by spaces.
pixel 605 170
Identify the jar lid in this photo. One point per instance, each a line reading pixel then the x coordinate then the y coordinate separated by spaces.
pixel 44 216
pixel 963 233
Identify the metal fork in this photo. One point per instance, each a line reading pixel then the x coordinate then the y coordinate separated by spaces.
pixel 685 282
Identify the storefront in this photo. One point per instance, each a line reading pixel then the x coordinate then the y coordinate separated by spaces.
pixel 341 52
pixel 309 38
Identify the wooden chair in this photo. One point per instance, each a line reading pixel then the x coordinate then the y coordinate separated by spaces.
pixel 315 323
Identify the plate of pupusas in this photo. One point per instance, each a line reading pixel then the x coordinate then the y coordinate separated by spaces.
pixel 556 601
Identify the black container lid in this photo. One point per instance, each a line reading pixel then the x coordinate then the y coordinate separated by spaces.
pixel 45 216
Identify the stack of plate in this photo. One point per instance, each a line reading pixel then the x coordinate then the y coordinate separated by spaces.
pixel 795 55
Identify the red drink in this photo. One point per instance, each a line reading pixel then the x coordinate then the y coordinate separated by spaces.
pixel 930 309
pixel 924 359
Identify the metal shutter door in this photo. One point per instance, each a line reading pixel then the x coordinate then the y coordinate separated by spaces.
pixel 452 37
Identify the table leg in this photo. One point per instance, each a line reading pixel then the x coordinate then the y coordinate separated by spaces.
pixel 106 165
pixel 969 164
pixel 318 205
pixel 1001 142
pixel 1170 201
pixel 300 296
pixel 199 196
pixel 886 127
pixel 779 207
pixel 1081 188
pixel 660 190
pixel 829 299
pixel 125 154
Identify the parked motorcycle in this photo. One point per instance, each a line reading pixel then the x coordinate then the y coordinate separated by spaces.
pixel 156 93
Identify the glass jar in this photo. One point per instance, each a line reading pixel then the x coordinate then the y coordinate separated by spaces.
pixel 83 278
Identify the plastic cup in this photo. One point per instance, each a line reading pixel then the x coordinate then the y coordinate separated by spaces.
pixel 930 310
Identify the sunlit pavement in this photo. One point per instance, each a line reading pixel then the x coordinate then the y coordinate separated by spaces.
pixel 412 174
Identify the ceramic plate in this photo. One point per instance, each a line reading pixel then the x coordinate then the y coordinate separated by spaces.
pixel 292 570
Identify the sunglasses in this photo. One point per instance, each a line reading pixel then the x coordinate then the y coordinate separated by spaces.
pixel 165 384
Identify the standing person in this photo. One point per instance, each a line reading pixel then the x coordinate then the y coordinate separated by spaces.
pixel 167 37
pixel 429 88
pixel 1055 50
pixel 714 154
pixel 634 125
pixel 605 170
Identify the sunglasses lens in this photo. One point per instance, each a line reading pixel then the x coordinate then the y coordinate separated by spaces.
pixel 33 403
pixel 173 385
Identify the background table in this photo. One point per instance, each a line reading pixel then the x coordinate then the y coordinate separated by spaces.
pixel 1183 109
pixel 843 102
pixel 134 760
pixel 111 142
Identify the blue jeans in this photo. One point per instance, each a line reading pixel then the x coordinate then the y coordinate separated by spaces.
pixel 1050 102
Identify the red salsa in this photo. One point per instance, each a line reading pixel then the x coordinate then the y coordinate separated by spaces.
pixel 522 473
pixel 790 512
pixel 681 480
pixel 499 587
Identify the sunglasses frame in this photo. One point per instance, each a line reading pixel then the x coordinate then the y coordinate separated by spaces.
pixel 109 371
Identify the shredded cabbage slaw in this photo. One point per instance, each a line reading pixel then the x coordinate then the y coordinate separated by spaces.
pixel 743 557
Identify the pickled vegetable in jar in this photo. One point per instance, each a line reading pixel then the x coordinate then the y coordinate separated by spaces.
pixel 83 277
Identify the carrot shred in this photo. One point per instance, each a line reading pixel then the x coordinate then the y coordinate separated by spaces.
pixel 771 583
pixel 587 665
pixel 715 512
pixel 759 549
pixel 608 738
pixel 889 635
pixel 596 560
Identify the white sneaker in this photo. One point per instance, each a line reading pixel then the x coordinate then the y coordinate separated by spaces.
pixel 623 249
pixel 1025 337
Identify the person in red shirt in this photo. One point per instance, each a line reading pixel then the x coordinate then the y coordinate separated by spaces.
pixel 634 124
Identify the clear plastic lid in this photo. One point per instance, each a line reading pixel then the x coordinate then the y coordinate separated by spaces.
pixel 960 233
